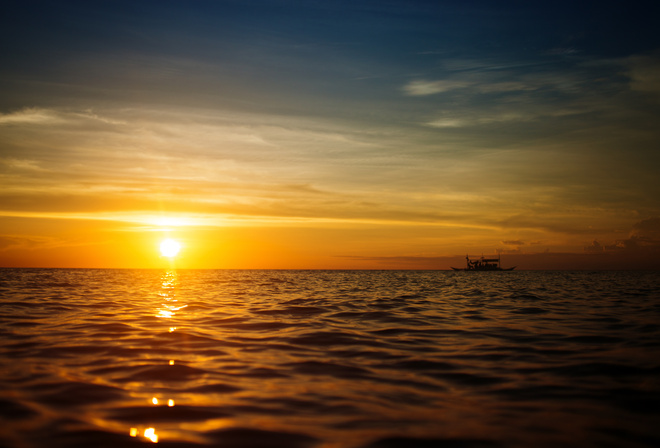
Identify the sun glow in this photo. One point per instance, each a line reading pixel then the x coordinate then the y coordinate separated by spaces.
pixel 170 248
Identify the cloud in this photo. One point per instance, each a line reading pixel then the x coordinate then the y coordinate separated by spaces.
pixel 30 116
pixel 594 248
pixel 274 167
pixel 484 119
pixel 517 250
pixel 90 114
pixel 644 73
pixel 644 238
pixel 544 94
pixel 513 242
pixel 649 228
pixel 27 242
pixel 423 87
pixel 479 84
pixel 645 235
pixel 22 164
pixel 563 51
pixel 449 123
pixel 41 116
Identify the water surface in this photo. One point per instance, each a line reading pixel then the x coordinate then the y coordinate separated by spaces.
pixel 341 359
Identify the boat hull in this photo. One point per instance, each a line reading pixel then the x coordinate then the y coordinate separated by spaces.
pixel 483 270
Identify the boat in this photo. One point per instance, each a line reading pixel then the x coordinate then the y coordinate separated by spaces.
pixel 483 264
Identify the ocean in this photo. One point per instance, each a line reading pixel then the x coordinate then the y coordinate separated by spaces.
pixel 329 359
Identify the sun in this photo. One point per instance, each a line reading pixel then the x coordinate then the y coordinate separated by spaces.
pixel 170 248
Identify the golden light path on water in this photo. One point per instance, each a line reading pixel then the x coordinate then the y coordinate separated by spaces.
pixel 167 310
pixel 171 306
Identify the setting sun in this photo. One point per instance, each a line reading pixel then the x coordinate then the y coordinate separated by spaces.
pixel 169 248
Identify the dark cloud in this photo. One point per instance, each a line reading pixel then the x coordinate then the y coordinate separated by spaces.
pixel 647 228
pixel 594 248
pixel 641 250
pixel 644 237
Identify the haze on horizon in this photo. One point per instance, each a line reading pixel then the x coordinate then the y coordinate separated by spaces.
pixel 341 134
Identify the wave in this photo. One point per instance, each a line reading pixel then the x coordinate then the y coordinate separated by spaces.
pixel 348 359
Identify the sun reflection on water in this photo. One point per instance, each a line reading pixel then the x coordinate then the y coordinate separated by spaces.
pixel 168 310
pixel 150 433
pixel 168 307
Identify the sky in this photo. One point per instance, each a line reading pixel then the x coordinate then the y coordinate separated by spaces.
pixel 356 134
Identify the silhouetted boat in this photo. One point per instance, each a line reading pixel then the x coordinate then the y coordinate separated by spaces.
pixel 483 264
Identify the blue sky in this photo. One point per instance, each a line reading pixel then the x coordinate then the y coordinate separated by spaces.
pixel 435 128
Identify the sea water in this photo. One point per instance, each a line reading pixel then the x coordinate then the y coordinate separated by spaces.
pixel 341 359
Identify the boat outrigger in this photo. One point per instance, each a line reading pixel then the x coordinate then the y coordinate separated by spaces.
pixel 483 264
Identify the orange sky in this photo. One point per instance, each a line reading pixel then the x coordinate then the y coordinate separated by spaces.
pixel 338 138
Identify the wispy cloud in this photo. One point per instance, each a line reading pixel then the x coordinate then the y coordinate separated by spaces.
pixel 424 87
pixel 484 119
pixel 22 164
pixel 31 242
pixel 44 116
pixel 32 116
pixel 644 73
pixel 513 242
pixel 555 97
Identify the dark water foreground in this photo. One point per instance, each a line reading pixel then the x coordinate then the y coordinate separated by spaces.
pixel 329 359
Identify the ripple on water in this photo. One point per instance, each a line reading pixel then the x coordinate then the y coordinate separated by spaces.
pixel 342 359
